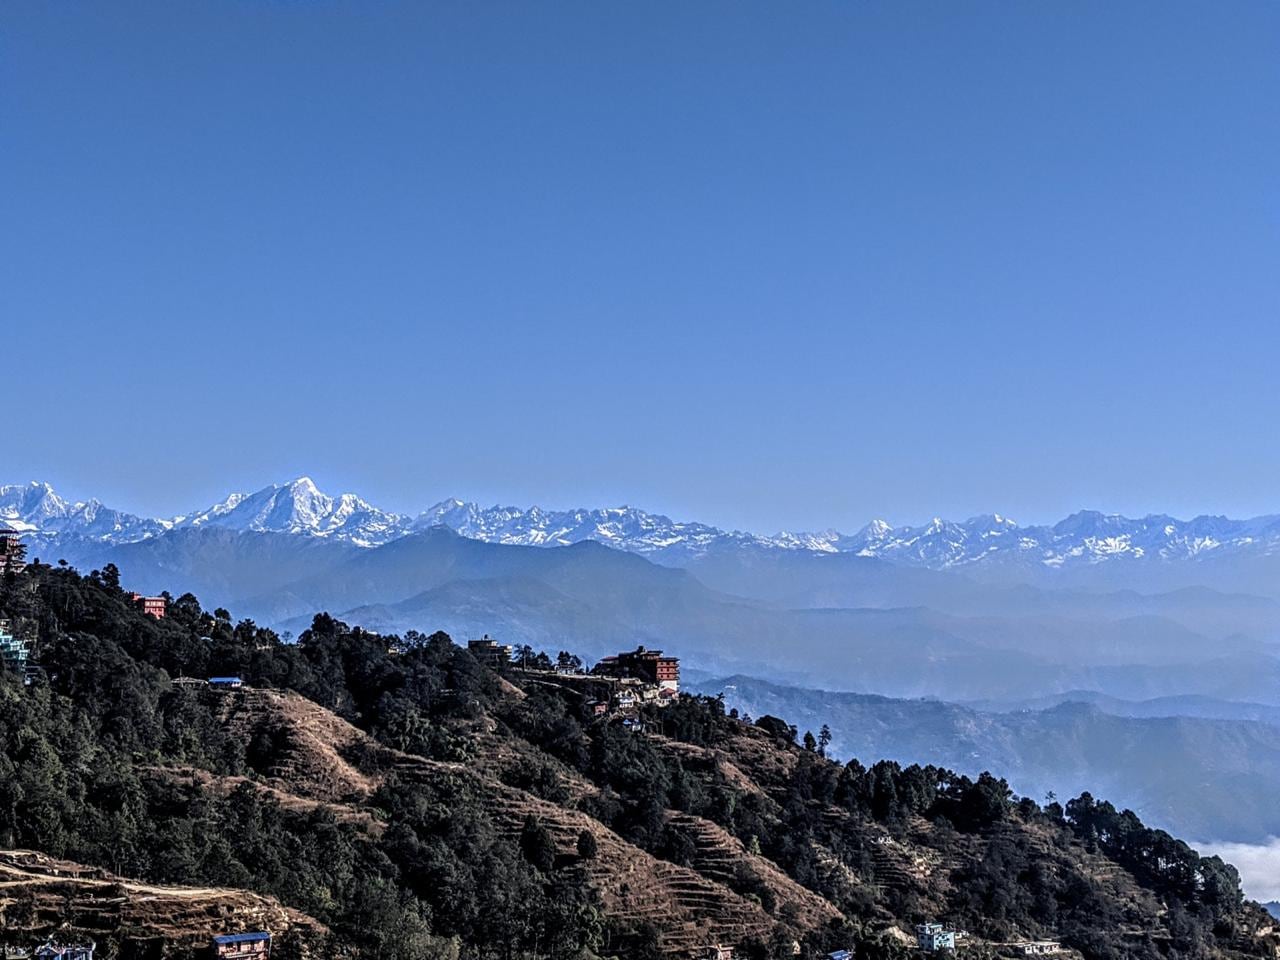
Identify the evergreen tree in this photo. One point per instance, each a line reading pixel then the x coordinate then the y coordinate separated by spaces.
pixel 537 844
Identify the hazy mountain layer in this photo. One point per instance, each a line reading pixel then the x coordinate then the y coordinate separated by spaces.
pixel 600 600
pixel 1211 779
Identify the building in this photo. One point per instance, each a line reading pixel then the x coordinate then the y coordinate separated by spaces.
pixel 490 652
pixel 1039 948
pixel 840 955
pixel 934 938
pixel 151 606
pixel 55 950
pixel 13 554
pixel 243 946
pixel 189 682
pixel 14 651
pixel 226 683
pixel 718 952
pixel 647 666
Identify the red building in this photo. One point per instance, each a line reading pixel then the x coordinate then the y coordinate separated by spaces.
pixel 151 606
pixel 647 666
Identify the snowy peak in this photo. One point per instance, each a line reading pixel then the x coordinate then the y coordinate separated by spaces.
pixel 31 506
pixel 35 508
pixel 300 508
pixel 625 527
pixel 1087 536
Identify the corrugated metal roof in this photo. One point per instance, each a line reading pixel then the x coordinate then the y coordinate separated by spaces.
pixel 242 937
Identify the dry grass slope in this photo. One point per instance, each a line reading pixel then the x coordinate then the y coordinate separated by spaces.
pixel 690 907
pixel 38 892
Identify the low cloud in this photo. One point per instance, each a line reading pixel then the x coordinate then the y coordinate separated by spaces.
pixel 1258 863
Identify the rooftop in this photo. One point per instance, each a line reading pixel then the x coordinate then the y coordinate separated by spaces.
pixel 242 937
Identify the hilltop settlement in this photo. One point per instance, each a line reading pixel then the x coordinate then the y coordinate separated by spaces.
pixel 177 783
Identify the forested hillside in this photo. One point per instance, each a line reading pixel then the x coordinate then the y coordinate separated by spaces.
pixel 402 799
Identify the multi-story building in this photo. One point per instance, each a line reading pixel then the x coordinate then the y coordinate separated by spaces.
pixel 490 652
pixel 14 650
pixel 13 555
pixel 933 937
pixel 647 666
pixel 151 606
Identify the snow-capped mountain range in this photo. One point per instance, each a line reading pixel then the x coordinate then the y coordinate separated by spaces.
pixel 300 508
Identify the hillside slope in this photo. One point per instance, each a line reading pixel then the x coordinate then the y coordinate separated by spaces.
pixel 702 900
pixel 415 802
pixel 319 757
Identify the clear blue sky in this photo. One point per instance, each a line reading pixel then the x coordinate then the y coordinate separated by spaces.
pixel 767 265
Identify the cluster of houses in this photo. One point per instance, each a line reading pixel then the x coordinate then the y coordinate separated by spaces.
pixel 627 681
pixel 622 683
pixel 935 938
pixel 213 683
pixel 256 945
pixel 930 938
pixel 721 952
pixel 229 946
pixel 53 949
pixel 654 674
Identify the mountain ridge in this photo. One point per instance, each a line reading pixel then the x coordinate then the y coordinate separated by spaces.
pixel 300 508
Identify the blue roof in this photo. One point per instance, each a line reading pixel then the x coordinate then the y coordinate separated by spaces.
pixel 841 955
pixel 242 937
pixel 225 680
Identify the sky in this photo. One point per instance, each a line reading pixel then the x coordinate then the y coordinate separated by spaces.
pixel 762 265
